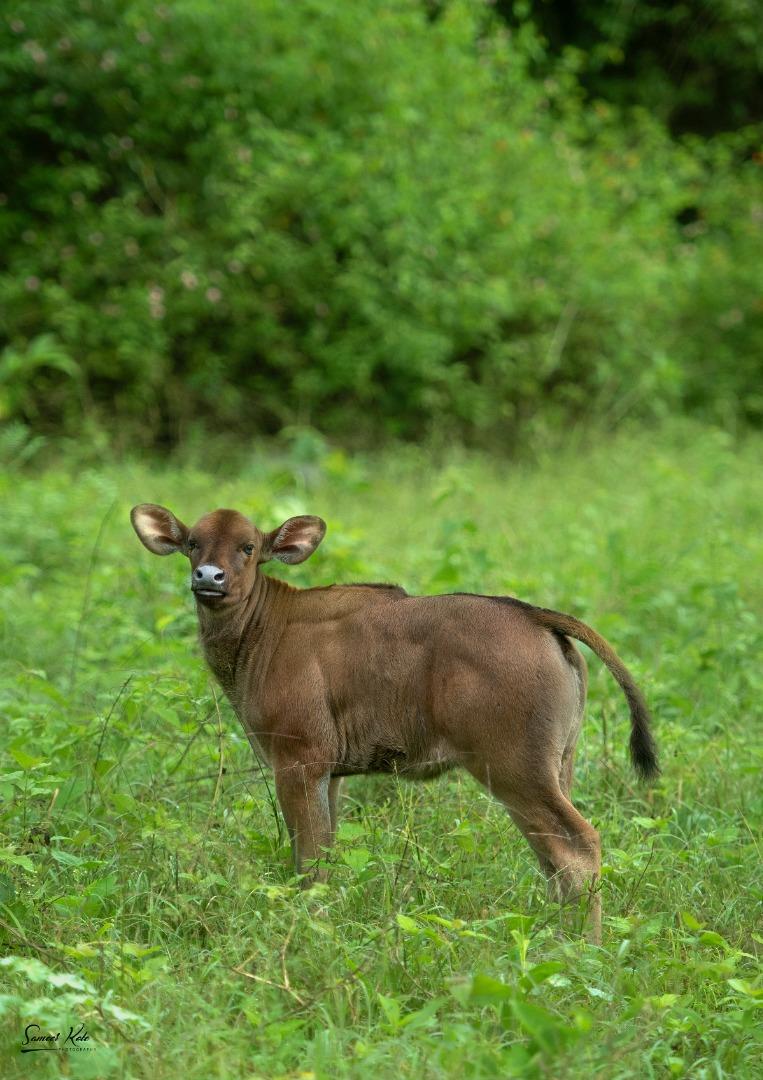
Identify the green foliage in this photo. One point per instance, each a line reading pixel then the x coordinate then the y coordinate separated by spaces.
pixel 697 66
pixel 145 882
pixel 247 215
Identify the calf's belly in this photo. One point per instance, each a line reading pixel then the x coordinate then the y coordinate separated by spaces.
pixel 408 750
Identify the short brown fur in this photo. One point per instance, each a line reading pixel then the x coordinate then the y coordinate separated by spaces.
pixel 339 680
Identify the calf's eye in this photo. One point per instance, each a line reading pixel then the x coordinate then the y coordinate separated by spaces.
pixel 192 545
pixel 248 548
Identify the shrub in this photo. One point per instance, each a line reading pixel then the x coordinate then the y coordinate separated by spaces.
pixel 258 214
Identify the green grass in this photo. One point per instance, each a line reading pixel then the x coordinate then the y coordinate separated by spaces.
pixel 145 882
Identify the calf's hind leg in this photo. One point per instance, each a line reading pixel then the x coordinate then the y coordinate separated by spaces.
pixel 566 845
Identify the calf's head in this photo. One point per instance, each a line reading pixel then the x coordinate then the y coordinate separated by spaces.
pixel 224 548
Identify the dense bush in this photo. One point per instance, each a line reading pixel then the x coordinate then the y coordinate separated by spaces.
pixel 253 214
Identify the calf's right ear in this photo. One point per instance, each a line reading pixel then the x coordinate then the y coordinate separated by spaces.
pixel 158 529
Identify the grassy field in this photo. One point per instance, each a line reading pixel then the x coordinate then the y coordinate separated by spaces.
pixel 145 883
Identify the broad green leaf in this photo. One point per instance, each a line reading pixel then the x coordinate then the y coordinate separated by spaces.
pixel 710 937
pixel 25 760
pixel 356 858
pixel 66 858
pixel 17 860
pixel 391 1008
pixel 743 986
pixel 540 972
pixel 485 989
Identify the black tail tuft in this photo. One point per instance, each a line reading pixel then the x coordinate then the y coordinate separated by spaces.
pixel 642 746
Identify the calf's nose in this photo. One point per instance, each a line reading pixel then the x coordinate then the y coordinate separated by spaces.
pixel 208 575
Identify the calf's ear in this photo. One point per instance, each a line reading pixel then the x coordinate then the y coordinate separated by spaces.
pixel 294 541
pixel 158 529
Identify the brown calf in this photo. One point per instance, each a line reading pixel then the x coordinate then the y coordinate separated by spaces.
pixel 344 679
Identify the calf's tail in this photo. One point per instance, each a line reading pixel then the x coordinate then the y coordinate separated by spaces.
pixel 642 745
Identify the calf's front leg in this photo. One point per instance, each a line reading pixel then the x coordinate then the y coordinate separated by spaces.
pixel 303 794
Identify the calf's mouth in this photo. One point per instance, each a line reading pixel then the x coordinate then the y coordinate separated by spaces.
pixel 209 594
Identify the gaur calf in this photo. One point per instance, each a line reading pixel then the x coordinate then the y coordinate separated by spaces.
pixel 344 679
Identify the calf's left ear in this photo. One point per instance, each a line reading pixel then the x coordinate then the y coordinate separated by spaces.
pixel 158 529
pixel 294 541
